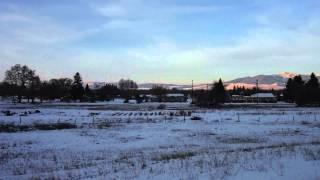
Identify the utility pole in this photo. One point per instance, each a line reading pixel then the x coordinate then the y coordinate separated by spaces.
pixel 192 92
pixel 257 90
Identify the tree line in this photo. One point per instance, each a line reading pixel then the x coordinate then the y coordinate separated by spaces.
pixel 214 96
pixel 303 92
pixel 23 83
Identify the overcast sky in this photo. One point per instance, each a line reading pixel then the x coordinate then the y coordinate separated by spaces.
pixel 171 41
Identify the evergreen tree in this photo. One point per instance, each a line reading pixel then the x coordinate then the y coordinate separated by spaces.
pixel 312 87
pixel 289 91
pixel 313 81
pixel 234 90
pixel 218 93
pixel 89 94
pixel 299 90
pixel 87 91
pixel 77 90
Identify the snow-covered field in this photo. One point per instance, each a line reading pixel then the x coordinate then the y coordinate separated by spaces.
pixel 118 141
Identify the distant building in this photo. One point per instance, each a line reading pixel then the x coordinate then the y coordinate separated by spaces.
pixel 239 98
pixel 175 98
pixel 166 98
pixel 255 98
pixel 148 98
pixel 264 98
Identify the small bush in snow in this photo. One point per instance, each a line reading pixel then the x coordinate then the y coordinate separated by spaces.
pixel 8 113
pixel 13 128
pixel 103 125
pixel 175 155
pixel 55 126
pixel 161 106
pixel 196 118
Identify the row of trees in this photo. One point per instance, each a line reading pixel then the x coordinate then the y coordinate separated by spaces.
pixel 20 80
pixel 301 92
pixel 213 97
pixel 297 91
pixel 23 82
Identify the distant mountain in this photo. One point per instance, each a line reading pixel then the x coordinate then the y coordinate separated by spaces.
pixel 275 81
pixel 168 86
pixel 174 86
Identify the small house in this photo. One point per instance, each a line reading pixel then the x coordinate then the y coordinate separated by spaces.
pixel 263 98
pixel 175 98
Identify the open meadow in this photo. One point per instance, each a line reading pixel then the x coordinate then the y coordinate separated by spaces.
pixel 149 141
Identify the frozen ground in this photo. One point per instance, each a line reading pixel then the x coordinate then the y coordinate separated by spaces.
pixel 117 141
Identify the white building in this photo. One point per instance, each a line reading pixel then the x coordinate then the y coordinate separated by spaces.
pixel 255 98
pixel 264 97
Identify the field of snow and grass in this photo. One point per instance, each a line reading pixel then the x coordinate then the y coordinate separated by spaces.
pixel 148 141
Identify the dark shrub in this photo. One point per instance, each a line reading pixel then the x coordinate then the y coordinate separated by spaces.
pixel 54 126
pixel 13 128
pixel 8 113
pixel 161 106
pixel 196 118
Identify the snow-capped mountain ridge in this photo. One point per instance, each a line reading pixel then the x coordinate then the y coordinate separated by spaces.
pixel 288 75
pixel 274 81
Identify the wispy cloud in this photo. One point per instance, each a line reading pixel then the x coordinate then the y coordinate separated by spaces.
pixel 8 17
pixel 143 9
pixel 262 50
pixel 168 42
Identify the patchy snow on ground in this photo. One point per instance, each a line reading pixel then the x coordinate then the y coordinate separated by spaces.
pixel 140 141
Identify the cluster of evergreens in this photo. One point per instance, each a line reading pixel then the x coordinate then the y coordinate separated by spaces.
pixel 301 92
pixel 213 97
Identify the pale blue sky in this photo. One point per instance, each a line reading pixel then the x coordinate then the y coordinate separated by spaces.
pixel 171 41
